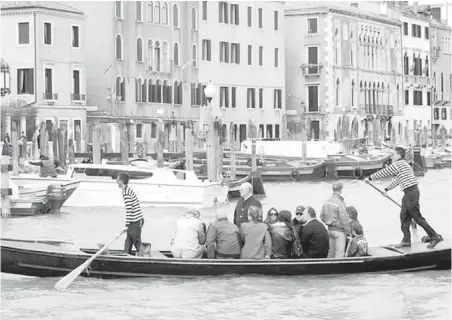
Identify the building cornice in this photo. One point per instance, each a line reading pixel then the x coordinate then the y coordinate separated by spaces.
pixel 61 14
pixel 346 12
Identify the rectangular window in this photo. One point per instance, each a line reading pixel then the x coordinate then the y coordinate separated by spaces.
pixel 354 5
pixel 443 114
pixel 75 37
pixel 47 33
pixel 139 131
pixel 426 33
pixel 269 131
pixel 48 82
pixel 436 114
pixel 276 21
pixel 261 130
pixel 25 81
pixel 235 53
pixel 261 56
pixel 276 58
pixel 118 9
pixel 153 130
pixel 250 55
pixel 407 97
pixel 250 17
pixel 260 17
pixel 24 33
pixel 76 81
pixel 261 98
pixel 139 11
pixel 312 25
pixel 235 14
pixel 233 97
pixel 277 99
pixel 206 50
pixel 313 98
pixel 313 60
pixel 405 28
pixel 224 52
pixel 417 98
pixel 416 31
pixel 204 10
pixel 429 98
pixel 277 131
pixel 223 12
pixel 224 97
pixel 251 98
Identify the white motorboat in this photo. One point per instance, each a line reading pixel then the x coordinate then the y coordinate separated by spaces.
pixel 153 186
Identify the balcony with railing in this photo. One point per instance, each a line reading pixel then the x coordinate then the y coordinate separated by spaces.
pixel 50 96
pixel 442 97
pixel 311 70
pixel 419 80
pixel 78 97
pixel 159 65
pixel 381 110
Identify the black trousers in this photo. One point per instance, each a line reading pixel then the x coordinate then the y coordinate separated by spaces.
pixel 133 237
pixel 411 210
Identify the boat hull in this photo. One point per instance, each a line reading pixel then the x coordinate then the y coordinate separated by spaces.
pixel 105 192
pixel 57 259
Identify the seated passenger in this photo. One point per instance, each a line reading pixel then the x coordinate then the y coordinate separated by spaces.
pixel 297 221
pixel 358 244
pixel 282 236
pixel 255 237
pixel 352 214
pixel 314 236
pixel 190 236
pixel 272 216
pixel 223 238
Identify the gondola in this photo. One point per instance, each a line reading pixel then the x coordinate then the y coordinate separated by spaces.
pixel 52 258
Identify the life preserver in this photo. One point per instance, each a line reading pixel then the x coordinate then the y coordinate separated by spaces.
pixel 358 173
pixel 295 175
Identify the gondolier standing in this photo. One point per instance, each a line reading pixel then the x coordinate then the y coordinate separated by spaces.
pixel 404 177
pixel 134 216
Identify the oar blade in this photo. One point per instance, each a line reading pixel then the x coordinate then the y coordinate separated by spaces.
pixel 66 281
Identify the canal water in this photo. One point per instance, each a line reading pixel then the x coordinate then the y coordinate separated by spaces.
pixel 420 295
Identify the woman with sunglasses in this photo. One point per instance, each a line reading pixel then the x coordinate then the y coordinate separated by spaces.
pixel 272 216
pixel 282 236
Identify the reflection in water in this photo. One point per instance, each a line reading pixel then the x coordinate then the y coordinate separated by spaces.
pixel 419 295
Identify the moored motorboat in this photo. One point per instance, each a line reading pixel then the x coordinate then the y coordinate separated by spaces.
pixel 52 258
pixel 359 166
pixel 154 186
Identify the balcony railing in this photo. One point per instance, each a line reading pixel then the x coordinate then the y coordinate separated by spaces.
pixel 310 69
pixel 50 96
pixel 442 97
pixel 162 65
pixel 419 80
pixel 382 110
pixel 77 97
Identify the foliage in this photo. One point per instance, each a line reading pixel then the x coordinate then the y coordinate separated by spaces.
pixel 18 108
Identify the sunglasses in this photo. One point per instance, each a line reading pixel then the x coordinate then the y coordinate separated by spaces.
pixel 273 214
pixel 298 214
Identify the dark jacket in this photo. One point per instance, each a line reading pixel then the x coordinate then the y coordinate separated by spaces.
pixel 314 240
pixel 256 240
pixel 241 210
pixel 223 240
pixel 282 239
pixel 297 227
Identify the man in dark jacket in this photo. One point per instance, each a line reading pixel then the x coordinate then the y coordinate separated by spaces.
pixel 245 202
pixel 314 237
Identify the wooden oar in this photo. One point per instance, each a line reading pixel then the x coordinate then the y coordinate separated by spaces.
pixel 69 278
pixel 413 224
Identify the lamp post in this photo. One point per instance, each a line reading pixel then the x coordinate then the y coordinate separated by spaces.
pixel 5 161
pixel 5 83
pixel 211 143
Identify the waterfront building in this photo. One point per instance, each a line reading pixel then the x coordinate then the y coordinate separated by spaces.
pixel 343 70
pixel 241 46
pixel 43 44
pixel 143 60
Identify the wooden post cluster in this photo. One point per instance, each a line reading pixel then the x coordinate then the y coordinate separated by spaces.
pixel 15 148
pixel 124 143
pixel 218 149
pixel 96 143
pixel 189 146
pixel 232 134
pixel 6 191
pixel 160 143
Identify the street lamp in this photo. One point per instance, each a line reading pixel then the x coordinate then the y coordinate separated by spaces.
pixel 209 91
pixel 5 83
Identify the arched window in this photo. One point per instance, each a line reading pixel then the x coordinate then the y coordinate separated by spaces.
pixel 442 83
pixel 164 91
pixel 139 50
pixel 194 19
pixel 151 54
pixel 164 13
pixel 406 64
pixel 143 91
pixel 157 12
pixel 150 11
pixel 157 56
pixel 337 92
pixel 150 91
pixel 426 66
pixel 179 92
pixel 351 48
pixel 176 54
pixel 419 61
pixel 158 89
pixel 138 90
pixel 195 56
pixel 118 88
pixel 193 94
pixel 435 82
pixel 199 95
pixel 176 93
pixel 139 11
pixel 167 90
pixel 118 47
pixel 175 16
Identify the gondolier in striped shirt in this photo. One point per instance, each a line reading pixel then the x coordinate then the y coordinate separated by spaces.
pixel 134 216
pixel 404 177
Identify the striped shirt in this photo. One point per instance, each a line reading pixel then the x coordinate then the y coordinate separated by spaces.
pixel 401 171
pixel 133 210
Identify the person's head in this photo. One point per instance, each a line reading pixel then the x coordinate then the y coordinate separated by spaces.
pixel 272 214
pixel 193 212
pixel 122 179
pixel 299 212
pixel 285 216
pixel 221 214
pixel 399 153
pixel 357 228
pixel 246 190
pixel 352 213
pixel 308 214
pixel 254 213
pixel 337 188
